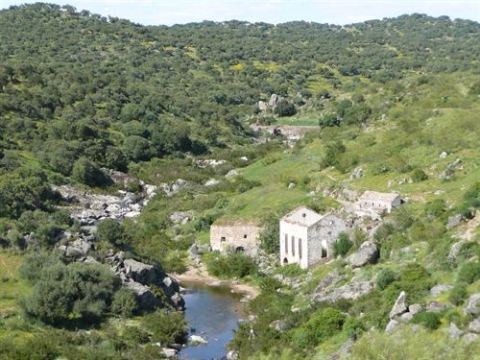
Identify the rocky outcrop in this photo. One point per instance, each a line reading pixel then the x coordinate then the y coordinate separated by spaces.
pixel 455 220
pixel 472 306
pixel 204 163
pixel 400 306
pixel 474 326
pixel 357 173
pixel 196 340
pixel 88 208
pixel 76 249
pixel 173 188
pixel 181 217
pixel 351 291
pixel 454 332
pixel 366 254
pixel 211 182
pixel 145 297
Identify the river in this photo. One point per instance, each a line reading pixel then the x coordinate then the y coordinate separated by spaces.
pixel 212 313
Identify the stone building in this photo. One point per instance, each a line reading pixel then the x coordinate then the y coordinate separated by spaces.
pixel 307 237
pixel 376 204
pixel 236 236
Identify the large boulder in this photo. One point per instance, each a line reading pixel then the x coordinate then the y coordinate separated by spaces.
pixel 454 332
pixel 351 291
pixel 474 326
pixel 181 217
pixel 400 306
pixel 391 326
pixel 473 305
pixel 366 254
pixel 76 249
pixel 145 297
pixel 454 221
pixel 138 271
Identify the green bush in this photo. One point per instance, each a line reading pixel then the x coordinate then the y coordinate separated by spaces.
pixel 285 108
pixel 232 265
pixel 385 277
pixel 458 294
pixel 165 327
pixel 111 231
pixel 88 173
pixel 124 302
pixel 72 292
pixel 436 208
pixel 428 319
pixel 321 325
pixel 419 175
pixel 270 234
pixel 343 245
pixel 469 272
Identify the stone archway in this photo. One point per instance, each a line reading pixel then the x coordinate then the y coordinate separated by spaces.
pixel 285 261
pixel 239 249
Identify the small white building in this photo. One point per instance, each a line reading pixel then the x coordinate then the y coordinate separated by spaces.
pixel 307 237
pixel 375 204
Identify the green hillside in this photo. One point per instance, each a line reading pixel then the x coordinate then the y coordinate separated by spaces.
pixel 397 98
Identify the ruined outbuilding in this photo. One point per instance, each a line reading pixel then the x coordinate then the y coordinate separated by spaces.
pixel 235 236
pixel 376 204
pixel 307 237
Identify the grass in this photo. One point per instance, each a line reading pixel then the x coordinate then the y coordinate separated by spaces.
pixel 12 287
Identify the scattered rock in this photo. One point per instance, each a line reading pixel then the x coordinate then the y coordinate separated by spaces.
pixel 357 173
pixel 232 355
pixel 455 250
pixel 436 306
pixel 140 272
pixel 351 291
pixel 279 325
pixel 244 158
pixel 274 100
pixel 212 182
pixel 470 337
pixel 454 332
pixel 169 353
pixel 439 289
pixel 196 340
pixel 174 188
pixel 406 317
pixel 209 163
pixel 474 326
pixel 76 249
pixel 391 326
pixel 443 155
pixel 454 221
pixel 232 173
pixel 181 217
pixel 473 305
pixel 366 254
pixel 400 305
pixel 415 309
pixel 291 185
pixel 145 297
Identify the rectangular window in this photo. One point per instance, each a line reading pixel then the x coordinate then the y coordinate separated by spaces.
pixel 300 248
pixel 286 244
pixel 222 239
pixel 293 245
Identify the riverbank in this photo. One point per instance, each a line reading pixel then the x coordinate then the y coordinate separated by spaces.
pixel 199 274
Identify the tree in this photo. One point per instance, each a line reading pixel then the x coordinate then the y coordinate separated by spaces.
pixel 124 303
pixel 343 245
pixel 111 231
pixel 285 108
pixel 88 173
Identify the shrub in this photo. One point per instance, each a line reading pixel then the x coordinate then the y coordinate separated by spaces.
pixel 165 327
pixel 285 108
pixel 385 277
pixel 435 208
pixel 458 294
pixel 111 231
pixel 69 292
pixel 321 325
pixel 343 245
pixel 233 265
pixel 419 175
pixel 124 303
pixel 270 234
pixel 428 319
pixel 469 272
pixel 88 173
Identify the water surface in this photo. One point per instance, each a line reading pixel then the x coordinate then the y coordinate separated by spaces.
pixel 213 313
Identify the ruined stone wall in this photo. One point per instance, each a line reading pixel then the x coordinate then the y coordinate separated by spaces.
pixel 238 236
pixel 322 237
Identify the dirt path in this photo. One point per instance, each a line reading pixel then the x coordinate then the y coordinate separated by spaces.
pixel 199 274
